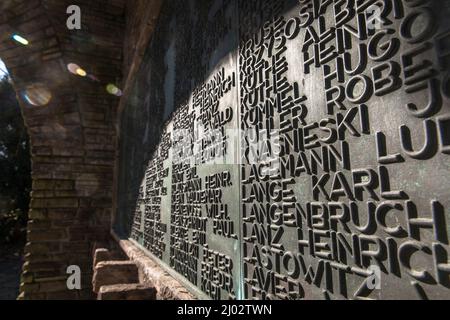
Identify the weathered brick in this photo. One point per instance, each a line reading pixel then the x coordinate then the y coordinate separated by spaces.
pixel 29 287
pixel 115 272
pixel 63 295
pixel 27 278
pixel 41 248
pixel 38 214
pixel 38 225
pixel 62 203
pixel 43 184
pixel 46 235
pixel 127 292
pixel 101 255
pixel 55 203
pixel 62 214
pixel 53 286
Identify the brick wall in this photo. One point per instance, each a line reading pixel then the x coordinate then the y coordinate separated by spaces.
pixel 73 138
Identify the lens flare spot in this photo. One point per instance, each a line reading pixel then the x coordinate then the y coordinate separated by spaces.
pixel 112 89
pixel 72 67
pixel 37 95
pixel 76 70
pixel 81 72
pixel 20 39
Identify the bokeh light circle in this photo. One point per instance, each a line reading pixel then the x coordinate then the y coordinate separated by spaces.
pixel 112 89
pixel 20 39
pixel 81 72
pixel 76 70
pixel 37 94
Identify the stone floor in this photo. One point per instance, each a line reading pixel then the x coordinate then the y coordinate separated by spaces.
pixel 10 268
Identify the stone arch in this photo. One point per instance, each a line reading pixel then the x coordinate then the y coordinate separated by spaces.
pixel 73 139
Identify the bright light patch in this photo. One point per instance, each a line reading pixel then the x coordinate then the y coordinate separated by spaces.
pixel 76 70
pixel 20 40
pixel 37 95
pixel 81 72
pixel 3 71
pixel 72 67
pixel 112 89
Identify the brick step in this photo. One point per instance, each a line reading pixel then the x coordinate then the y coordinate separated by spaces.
pixel 127 292
pixel 109 273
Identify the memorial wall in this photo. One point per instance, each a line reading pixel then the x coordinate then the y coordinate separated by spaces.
pixel 293 149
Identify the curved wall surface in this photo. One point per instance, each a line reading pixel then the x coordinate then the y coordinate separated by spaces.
pixel 292 149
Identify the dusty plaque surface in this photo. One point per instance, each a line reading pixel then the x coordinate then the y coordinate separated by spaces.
pixel 293 149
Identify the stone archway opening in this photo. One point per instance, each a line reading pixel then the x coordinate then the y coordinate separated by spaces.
pixel 15 187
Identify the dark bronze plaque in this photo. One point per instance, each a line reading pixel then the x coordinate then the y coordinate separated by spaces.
pixel 293 149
